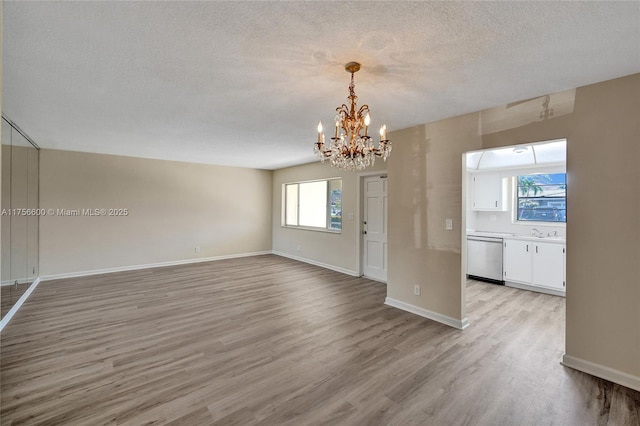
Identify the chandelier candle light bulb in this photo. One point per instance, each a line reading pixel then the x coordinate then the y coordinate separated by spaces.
pixel 367 120
pixel 351 150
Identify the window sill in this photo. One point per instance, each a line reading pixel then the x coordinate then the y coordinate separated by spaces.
pixel 537 223
pixel 309 228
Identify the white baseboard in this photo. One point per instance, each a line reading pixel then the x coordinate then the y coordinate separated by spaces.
pixel 535 288
pixel 375 279
pixel 444 319
pixel 20 281
pixel 150 265
pixel 601 371
pixel 316 263
pixel 14 308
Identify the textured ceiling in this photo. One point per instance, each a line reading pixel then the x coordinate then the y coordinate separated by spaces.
pixel 245 83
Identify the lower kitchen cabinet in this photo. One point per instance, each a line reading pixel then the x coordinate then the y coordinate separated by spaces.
pixel 548 265
pixel 517 262
pixel 535 265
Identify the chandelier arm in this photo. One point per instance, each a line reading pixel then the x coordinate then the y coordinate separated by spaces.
pixel 360 120
pixel 343 108
pixel 362 109
pixel 345 117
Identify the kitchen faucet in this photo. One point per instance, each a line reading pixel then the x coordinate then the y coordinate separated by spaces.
pixel 536 233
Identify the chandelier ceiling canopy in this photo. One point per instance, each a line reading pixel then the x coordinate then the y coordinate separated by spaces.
pixel 349 148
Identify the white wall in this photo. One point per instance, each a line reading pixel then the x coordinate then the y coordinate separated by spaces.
pixel 482 221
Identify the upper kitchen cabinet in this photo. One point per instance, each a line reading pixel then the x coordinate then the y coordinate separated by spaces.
pixel 490 170
pixel 489 192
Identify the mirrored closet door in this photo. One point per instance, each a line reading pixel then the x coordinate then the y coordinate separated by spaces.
pixel 20 165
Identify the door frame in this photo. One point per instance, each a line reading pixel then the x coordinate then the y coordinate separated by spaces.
pixel 359 214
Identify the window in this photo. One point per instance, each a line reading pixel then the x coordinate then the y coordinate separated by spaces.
pixel 315 204
pixel 542 197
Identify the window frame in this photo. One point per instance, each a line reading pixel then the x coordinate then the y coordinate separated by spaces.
pixel 327 226
pixel 516 199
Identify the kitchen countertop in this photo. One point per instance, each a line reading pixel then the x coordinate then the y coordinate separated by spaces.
pixel 490 234
pixel 508 236
pixel 559 240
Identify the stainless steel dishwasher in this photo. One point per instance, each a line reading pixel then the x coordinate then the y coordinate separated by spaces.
pixel 484 258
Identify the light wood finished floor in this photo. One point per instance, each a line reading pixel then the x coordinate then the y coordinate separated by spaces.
pixel 271 341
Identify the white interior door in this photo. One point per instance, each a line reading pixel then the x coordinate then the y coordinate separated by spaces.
pixel 374 226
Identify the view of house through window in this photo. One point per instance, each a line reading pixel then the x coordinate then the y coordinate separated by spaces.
pixel 542 197
pixel 315 204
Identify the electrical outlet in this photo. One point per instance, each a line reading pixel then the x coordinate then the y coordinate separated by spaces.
pixel 197 249
pixel 416 290
pixel 448 224
pixel 493 218
pixel 299 247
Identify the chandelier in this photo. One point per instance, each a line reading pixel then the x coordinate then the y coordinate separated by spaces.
pixel 349 149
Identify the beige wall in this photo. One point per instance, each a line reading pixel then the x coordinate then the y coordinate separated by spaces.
pixel 336 250
pixel 601 125
pixel 425 188
pixel 603 233
pixel 173 207
pixel 1 160
pixel 603 237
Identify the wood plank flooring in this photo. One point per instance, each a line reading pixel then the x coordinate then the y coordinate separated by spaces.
pixel 9 295
pixel 271 341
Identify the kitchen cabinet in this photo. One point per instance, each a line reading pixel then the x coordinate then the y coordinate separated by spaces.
pixel 535 265
pixel 548 265
pixel 517 260
pixel 489 192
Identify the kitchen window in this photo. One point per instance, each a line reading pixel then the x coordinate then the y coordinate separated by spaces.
pixel 542 198
pixel 316 205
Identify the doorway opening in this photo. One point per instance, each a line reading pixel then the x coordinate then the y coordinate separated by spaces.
pixel 514 218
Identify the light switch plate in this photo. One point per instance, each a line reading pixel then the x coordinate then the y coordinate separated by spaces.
pixel 449 224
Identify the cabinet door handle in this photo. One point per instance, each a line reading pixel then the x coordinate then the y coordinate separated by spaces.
pixel 496 204
pixel 536 249
pixel 527 248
